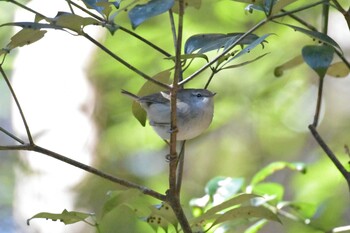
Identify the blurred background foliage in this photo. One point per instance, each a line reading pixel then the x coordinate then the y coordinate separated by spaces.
pixel 258 119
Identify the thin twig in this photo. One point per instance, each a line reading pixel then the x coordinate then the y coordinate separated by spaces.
pixel 123 62
pixel 180 167
pixel 8 83
pixel 330 154
pixel 11 135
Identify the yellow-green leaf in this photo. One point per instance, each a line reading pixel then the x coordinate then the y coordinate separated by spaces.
pixel 295 61
pixel 24 37
pixel 338 70
pixel 149 88
pixel 247 212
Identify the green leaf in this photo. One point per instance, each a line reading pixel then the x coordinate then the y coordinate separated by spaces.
pixel 208 42
pixel 274 167
pixel 295 61
pixel 141 13
pixel 247 212
pixel 131 198
pixel 67 217
pixel 227 185
pixel 338 70
pixel 25 37
pixel 274 190
pixel 316 36
pixel 149 88
pixel 231 203
pixel 306 210
pixel 318 58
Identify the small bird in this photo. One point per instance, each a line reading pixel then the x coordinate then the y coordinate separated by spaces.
pixel 195 110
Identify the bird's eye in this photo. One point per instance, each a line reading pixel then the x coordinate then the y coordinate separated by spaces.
pixel 199 95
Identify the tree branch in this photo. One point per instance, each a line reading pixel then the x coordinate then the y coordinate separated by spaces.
pixel 173 196
pixel 125 183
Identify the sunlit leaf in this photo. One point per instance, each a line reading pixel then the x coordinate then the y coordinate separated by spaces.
pixel 306 210
pixel 72 21
pixel 247 212
pixel 274 167
pixel 161 216
pixel 227 185
pixel 141 13
pixel 132 198
pixel 66 217
pixel 208 42
pixel 273 190
pixel 149 88
pixel 25 37
pixel 318 58
pixel 295 61
pixel 188 3
pixel 231 203
pixel 338 70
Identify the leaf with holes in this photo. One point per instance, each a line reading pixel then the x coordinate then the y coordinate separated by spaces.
pixel 318 58
pixel 321 37
pixel 67 217
pixel 141 13
pixel 25 37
